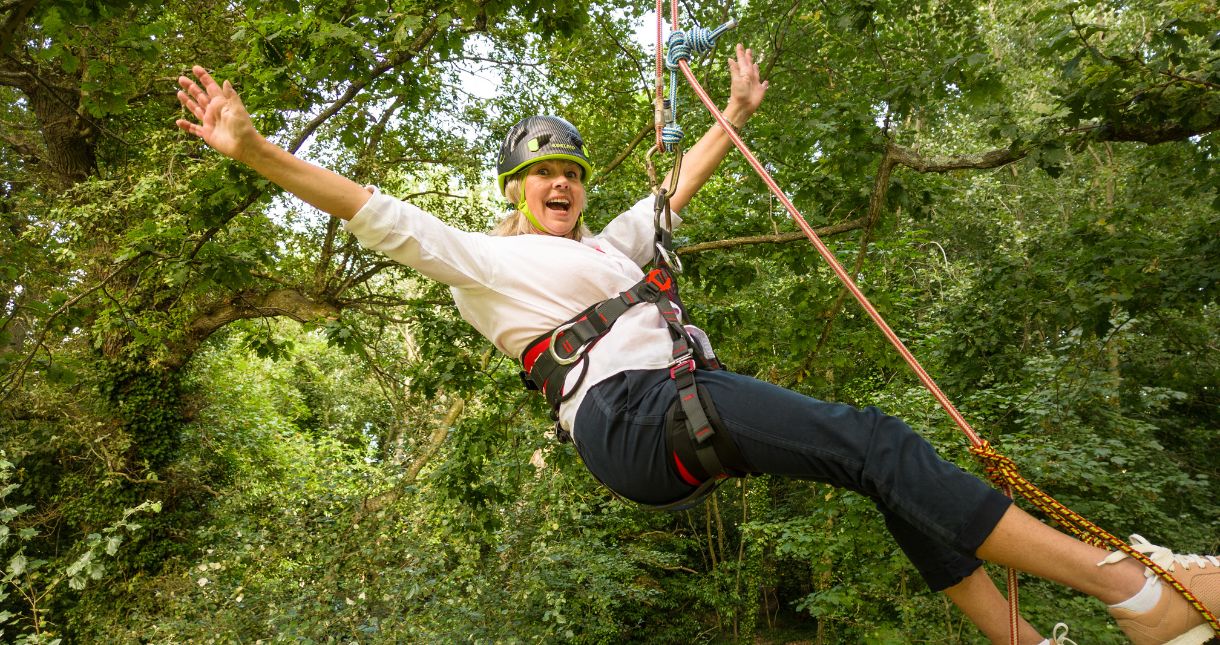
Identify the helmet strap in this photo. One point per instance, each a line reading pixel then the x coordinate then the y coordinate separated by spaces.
pixel 525 210
pixel 524 207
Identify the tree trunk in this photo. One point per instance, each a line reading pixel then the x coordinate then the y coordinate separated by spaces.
pixel 68 136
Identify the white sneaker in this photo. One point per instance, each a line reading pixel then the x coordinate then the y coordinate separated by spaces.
pixel 1172 621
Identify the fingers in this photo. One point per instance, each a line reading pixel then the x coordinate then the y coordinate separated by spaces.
pixel 207 81
pixel 747 88
pixel 202 98
pixel 231 97
pixel 743 65
pixel 191 105
pixel 192 97
pixel 195 99
pixel 200 93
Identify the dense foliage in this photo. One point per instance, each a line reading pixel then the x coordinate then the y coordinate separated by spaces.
pixel 221 419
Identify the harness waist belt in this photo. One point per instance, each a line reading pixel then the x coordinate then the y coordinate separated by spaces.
pixel 547 360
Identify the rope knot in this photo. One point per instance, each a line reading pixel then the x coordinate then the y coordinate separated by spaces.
pixel 699 40
pixel 1000 469
pixel 676 49
pixel 671 136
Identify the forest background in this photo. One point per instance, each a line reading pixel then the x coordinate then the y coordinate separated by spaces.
pixel 222 421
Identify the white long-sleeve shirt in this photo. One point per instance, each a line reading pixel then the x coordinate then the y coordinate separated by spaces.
pixel 514 289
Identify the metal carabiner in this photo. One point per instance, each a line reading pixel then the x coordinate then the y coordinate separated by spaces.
pixel 651 167
pixel 673 172
pixel 551 346
pixel 671 261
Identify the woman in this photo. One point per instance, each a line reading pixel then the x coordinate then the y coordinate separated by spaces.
pixel 544 267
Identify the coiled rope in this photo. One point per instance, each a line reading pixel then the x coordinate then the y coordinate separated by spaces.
pixel 679 47
pixel 1000 469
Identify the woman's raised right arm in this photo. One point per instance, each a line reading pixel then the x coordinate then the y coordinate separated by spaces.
pixel 225 125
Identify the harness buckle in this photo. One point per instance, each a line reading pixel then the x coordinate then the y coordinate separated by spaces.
pixel 682 365
pixel 654 279
pixel 550 348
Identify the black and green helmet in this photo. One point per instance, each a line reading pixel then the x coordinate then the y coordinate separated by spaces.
pixel 538 138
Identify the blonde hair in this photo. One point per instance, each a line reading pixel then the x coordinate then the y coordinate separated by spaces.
pixel 516 223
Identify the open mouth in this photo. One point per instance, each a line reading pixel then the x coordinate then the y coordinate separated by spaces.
pixel 559 205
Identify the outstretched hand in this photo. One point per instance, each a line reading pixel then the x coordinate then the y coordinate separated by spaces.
pixel 746 94
pixel 223 122
pixel 747 90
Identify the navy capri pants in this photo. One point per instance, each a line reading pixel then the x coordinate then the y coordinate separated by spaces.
pixel 938 513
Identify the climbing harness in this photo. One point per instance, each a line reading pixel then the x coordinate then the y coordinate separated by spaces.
pixel 1002 470
pixel 702 452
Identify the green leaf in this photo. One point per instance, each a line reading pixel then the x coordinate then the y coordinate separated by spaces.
pixel 8 514
pixel 79 565
pixel 16 565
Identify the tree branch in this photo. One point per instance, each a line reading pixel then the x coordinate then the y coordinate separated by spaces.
pixel 904 156
pixel 365 163
pixel 622 156
pixel 393 161
pixel 211 232
pixel 281 302
pixel 825 231
pixel 293 303
pixel 16 378
pixel 15 78
pixel 364 276
pixel 441 193
pixel 400 57
pixel 1151 134
pixel 881 187
pixel 435 441
pixel 23 148
pixel 8 31
pixel 777 40
pixel 328 248
pixel 1108 131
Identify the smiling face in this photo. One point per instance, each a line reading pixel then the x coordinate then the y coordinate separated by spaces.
pixel 555 194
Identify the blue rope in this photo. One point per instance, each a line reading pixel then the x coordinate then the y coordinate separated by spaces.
pixel 679 47
pixel 671 136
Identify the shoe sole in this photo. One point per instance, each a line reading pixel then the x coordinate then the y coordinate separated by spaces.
pixel 1197 636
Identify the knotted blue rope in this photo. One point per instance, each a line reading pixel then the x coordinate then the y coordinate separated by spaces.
pixel 679 47
pixel 671 136
pixel 699 40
